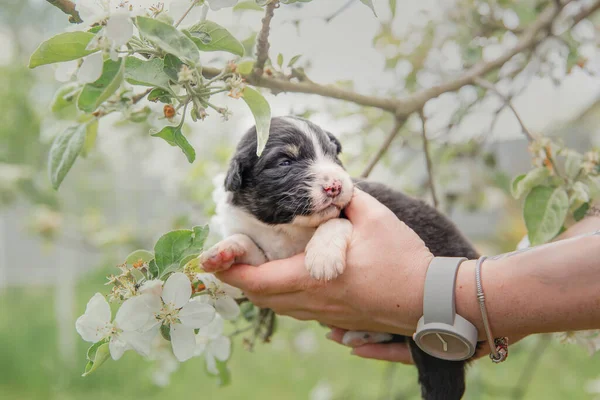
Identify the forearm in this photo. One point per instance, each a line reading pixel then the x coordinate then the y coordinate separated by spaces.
pixel 550 289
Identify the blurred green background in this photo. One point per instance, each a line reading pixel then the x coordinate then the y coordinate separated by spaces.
pixel 56 248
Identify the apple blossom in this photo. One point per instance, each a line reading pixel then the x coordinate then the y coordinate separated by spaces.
pixel 211 342
pixel 95 325
pixel 222 296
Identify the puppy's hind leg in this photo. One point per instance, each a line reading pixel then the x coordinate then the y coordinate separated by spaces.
pixel 235 249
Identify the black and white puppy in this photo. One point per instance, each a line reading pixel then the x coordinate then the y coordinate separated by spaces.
pixel 289 200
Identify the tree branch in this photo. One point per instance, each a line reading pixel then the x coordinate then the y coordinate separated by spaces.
pixel 428 160
pixel 384 148
pixel 488 85
pixel 68 7
pixel 262 42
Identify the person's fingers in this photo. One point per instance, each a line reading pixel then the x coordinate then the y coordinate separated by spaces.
pixel 394 352
pixel 274 277
pixel 362 207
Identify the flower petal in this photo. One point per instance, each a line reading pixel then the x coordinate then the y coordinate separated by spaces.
pixel 140 342
pixel 135 312
pixel 183 342
pixel 153 286
pixel 177 290
pixel 232 291
pixel 211 363
pixel 221 348
pixel 218 4
pixel 117 347
pixel 227 307
pixel 91 69
pixel 65 70
pixel 92 324
pixel 201 345
pixel 212 330
pixel 119 28
pixel 196 314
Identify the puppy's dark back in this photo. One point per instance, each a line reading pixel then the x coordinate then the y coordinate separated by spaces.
pixel 439 233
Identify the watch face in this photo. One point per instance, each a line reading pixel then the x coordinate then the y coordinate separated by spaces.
pixel 444 345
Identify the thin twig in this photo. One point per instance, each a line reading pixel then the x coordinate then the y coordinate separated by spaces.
pixel 262 42
pixel 384 148
pixel 340 10
pixel 68 7
pixel 185 14
pixel 428 160
pixel 488 85
pixel 138 97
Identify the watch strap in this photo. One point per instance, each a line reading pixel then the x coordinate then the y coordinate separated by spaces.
pixel 438 296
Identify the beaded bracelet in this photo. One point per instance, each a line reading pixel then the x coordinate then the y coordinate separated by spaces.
pixel 498 346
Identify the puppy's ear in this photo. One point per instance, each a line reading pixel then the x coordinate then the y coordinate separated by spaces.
pixel 233 179
pixel 337 143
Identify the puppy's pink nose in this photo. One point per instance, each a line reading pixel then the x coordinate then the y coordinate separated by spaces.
pixel 333 189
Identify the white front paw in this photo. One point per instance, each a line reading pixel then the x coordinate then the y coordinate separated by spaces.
pixel 326 250
pixel 323 261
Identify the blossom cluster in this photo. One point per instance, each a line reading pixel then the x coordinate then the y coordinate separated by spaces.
pixel 188 313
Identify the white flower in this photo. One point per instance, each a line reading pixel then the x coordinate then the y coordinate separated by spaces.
pixel 185 74
pixel 182 314
pixel 222 296
pixel 154 287
pixel 590 340
pixel 91 68
pixel 95 325
pixel 211 342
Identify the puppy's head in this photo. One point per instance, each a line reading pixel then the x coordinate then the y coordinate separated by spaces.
pixel 298 179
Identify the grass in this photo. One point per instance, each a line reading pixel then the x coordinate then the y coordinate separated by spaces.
pixel 31 368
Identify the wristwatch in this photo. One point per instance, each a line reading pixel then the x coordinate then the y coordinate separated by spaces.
pixel 441 332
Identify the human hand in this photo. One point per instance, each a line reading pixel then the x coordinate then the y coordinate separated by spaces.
pixel 380 290
pixel 398 352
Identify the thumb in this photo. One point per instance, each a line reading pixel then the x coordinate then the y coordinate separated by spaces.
pixel 363 207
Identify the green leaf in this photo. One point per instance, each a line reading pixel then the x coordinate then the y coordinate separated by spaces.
pixel 294 60
pixel 96 93
pixel 168 39
pixel 146 73
pixel 161 95
pixel 141 115
pixel 544 212
pixel 153 269
pixel 64 102
pixel 210 36
pixel 580 213
pixel 262 115
pixel 593 183
pixel 165 331
pixel 245 67
pixel 97 355
pixel 280 60
pixel 62 47
pixel 573 163
pixel 369 3
pixel 523 183
pixel 393 8
pixel 247 5
pixel 172 66
pixel 173 136
pixel 64 151
pixel 91 133
pixel 170 249
pixel 137 255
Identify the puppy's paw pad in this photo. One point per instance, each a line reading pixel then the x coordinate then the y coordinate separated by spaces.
pixel 221 256
pixel 324 263
pixel 359 338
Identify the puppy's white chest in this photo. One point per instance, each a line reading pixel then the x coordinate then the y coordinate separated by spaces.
pixel 277 242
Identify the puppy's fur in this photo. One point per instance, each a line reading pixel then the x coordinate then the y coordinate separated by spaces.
pixel 290 199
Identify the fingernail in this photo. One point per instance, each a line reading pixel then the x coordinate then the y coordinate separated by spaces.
pixel 329 335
